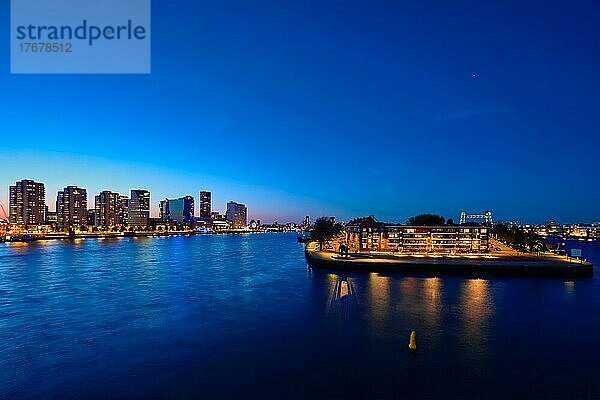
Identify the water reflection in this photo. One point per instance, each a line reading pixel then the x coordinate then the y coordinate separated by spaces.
pixel 569 291
pixel 378 302
pixel 18 247
pixel 387 304
pixel 569 287
pixel 476 309
pixel 341 295
pixel 420 303
pixel 432 303
pixel 396 304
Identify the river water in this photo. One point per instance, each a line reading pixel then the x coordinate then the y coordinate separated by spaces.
pixel 243 316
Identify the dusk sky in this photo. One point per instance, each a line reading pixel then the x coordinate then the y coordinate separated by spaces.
pixel 330 108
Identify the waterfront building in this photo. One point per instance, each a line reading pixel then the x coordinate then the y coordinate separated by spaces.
pixel 27 203
pixel 91 217
pixel 595 230
pixel 157 224
pixel 71 207
pixel 107 206
pixel 51 217
pixel 367 234
pixel 163 210
pixel 205 204
pixel 578 230
pixel 221 225
pixel 237 214
pixel 122 210
pixel 276 227
pixel 180 210
pixel 139 208
pixel 201 223
pixel 187 210
pixel 217 216
pixel 551 228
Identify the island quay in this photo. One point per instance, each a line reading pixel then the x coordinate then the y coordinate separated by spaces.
pixel 371 246
pixel 476 265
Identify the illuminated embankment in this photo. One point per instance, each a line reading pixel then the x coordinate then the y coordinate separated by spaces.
pixel 472 265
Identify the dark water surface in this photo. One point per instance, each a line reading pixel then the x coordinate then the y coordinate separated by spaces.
pixel 243 316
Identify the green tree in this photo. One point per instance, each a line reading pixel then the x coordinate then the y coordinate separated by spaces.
pixel 324 229
pixel 501 231
pixel 518 239
pixel 536 243
pixel 426 220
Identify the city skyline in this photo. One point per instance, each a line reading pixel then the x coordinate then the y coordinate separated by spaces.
pixel 205 197
pixel 315 109
pixel 70 200
pixel 52 202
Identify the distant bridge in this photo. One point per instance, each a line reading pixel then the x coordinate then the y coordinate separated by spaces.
pixel 6 216
pixel 486 217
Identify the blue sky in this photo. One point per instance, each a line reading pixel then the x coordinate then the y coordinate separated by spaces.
pixel 331 108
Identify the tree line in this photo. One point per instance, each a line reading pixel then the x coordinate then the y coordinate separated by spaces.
pixel 519 239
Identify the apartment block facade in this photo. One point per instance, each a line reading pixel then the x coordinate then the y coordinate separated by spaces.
pixel 27 203
pixel 366 234
pixel 71 207
pixel 139 208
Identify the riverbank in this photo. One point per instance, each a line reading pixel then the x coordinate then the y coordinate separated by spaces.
pixel 117 235
pixel 504 264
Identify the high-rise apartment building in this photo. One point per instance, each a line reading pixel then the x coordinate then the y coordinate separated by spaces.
pixel 205 204
pixel 163 210
pixel 71 207
pixel 123 210
pixel 27 203
pixel 107 206
pixel 139 208
pixel 180 210
pixel 237 214
pixel 91 216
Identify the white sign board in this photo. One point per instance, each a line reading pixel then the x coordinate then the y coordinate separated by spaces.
pixel 576 253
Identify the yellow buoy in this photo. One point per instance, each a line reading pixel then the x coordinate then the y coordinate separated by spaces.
pixel 412 344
